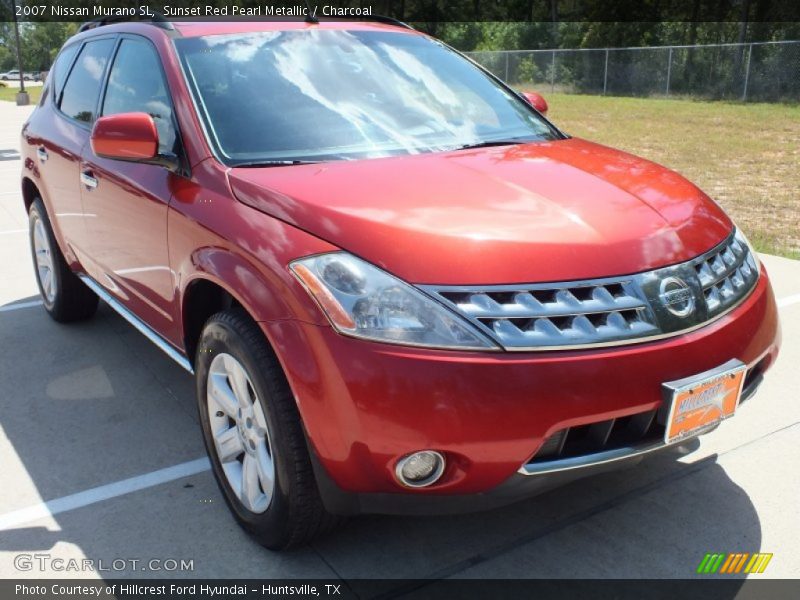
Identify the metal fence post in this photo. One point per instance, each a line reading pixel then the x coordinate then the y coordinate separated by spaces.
pixel 506 78
pixel 747 73
pixel 605 75
pixel 553 73
pixel 669 68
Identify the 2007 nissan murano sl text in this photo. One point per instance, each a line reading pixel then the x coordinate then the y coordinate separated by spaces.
pixel 399 287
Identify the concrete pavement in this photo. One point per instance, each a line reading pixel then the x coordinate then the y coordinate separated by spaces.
pixel 91 415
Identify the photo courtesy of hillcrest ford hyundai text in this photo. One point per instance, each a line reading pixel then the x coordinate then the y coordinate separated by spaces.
pixel 399 287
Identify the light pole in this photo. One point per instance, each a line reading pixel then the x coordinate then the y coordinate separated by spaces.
pixel 22 96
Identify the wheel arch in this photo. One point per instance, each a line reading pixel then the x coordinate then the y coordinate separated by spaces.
pixel 202 297
pixel 215 277
pixel 30 191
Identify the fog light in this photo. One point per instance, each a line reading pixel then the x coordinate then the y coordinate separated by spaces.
pixel 420 469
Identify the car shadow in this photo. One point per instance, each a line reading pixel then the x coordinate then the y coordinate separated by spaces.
pixel 654 520
pixel 92 403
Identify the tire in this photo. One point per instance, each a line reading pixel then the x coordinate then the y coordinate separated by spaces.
pixel 233 354
pixel 64 295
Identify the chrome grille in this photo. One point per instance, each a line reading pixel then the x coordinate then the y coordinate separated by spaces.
pixel 607 311
pixel 554 316
pixel 725 275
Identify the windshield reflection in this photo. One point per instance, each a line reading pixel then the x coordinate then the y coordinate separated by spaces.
pixel 335 94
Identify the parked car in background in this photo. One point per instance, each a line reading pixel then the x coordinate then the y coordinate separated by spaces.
pixel 399 287
pixel 13 75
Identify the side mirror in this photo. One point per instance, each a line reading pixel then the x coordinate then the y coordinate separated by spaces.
pixel 132 137
pixel 536 101
pixel 125 136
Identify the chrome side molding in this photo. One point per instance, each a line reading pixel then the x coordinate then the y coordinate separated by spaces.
pixel 600 458
pixel 588 460
pixel 151 335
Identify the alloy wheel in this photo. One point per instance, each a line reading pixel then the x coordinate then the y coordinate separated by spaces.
pixel 44 261
pixel 240 432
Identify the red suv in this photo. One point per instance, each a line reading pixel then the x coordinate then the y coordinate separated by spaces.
pixel 399 287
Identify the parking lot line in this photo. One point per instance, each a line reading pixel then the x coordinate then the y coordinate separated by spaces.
pixel 14 518
pixel 788 301
pixel 10 231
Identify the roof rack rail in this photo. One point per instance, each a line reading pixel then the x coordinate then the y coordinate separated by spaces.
pixel 159 20
pixel 156 19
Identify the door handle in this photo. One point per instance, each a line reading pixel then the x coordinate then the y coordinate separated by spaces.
pixel 42 154
pixel 88 179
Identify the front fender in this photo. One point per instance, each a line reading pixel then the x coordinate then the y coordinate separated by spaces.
pixel 214 237
pixel 266 296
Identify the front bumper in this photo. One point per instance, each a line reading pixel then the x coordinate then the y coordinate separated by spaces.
pixel 365 405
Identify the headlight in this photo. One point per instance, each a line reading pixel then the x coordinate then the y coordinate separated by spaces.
pixel 742 239
pixel 362 301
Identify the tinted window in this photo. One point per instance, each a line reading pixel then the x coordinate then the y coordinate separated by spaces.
pixel 79 97
pixel 136 84
pixel 332 94
pixel 61 68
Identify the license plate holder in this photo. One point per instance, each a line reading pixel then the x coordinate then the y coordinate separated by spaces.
pixel 700 402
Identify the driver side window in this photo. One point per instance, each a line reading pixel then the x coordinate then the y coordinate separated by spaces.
pixel 136 84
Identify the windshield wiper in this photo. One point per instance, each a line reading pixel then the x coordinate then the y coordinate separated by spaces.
pixel 491 143
pixel 274 163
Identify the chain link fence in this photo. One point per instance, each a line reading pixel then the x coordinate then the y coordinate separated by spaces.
pixel 757 72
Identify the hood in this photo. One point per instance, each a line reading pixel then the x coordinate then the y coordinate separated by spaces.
pixel 551 211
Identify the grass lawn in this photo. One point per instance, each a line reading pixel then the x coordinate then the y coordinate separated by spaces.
pixel 745 156
pixel 9 94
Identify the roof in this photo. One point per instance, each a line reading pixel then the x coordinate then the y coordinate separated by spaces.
pixel 200 28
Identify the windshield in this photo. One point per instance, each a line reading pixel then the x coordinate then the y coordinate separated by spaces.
pixel 318 95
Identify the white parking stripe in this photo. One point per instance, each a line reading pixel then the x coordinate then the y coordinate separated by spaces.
pixel 10 231
pixel 20 305
pixel 788 301
pixel 104 492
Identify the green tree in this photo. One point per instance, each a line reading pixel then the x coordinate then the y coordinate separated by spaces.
pixel 41 43
pixel 7 59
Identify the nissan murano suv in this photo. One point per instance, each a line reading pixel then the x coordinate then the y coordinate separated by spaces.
pixel 399 287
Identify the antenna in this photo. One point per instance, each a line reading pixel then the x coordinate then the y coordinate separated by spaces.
pixel 310 15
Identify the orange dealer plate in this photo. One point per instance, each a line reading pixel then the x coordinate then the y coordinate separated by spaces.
pixel 700 402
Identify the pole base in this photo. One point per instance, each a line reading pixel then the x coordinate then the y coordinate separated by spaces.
pixel 23 99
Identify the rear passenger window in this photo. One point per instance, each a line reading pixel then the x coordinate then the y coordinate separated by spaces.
pixel 79 97
pixel 61 68
pixel 136 84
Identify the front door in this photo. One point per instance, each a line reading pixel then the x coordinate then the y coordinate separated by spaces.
pixel 125 203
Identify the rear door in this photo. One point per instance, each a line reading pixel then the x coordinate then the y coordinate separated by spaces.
pixel 60 130
pixel 126 202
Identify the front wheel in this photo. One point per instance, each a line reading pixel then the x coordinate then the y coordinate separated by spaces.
pixel 252 431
